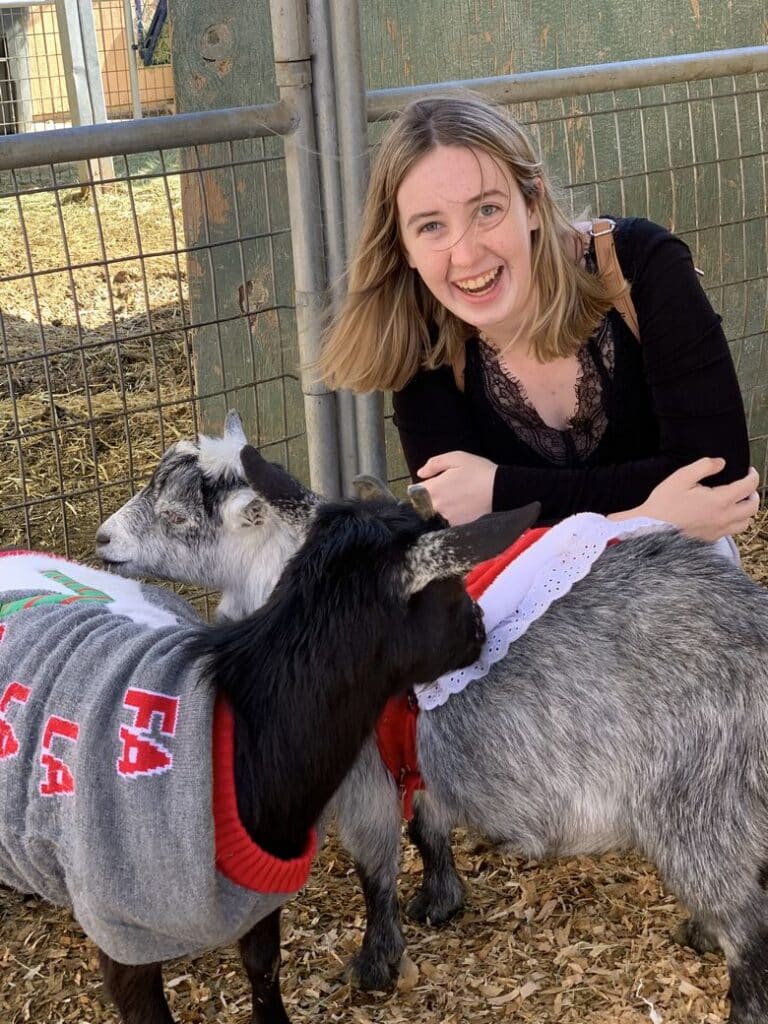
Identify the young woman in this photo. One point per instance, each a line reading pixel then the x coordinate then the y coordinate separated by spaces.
pixel 475 299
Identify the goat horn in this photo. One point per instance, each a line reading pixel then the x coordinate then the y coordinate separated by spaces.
pixel 367 487
pixel 421 500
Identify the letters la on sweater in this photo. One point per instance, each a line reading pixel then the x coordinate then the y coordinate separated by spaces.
pixel 667 401
pixel 116 767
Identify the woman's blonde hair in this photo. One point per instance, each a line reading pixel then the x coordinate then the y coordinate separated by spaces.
pixel 390 325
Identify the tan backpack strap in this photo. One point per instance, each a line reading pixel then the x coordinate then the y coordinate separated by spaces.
pixel 610 271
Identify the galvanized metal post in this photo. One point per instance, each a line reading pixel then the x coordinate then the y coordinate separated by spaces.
pixel 130 49
pixel 324 99
pixel 293 73
pixel 82 72
pixel 353 137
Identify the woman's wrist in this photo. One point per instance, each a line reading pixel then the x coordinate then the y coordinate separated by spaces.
pixel 629 513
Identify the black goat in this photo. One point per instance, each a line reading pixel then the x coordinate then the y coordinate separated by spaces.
pixel 371 603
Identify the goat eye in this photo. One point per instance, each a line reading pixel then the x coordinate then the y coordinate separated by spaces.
pixel 173 517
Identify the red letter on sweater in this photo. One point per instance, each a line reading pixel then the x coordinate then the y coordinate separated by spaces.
pixel 58 780
pixel 148 703
pixel 141 755
pixel 9 745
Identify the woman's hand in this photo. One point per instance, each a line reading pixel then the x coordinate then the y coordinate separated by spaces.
pixel 460 485
pixel 705 512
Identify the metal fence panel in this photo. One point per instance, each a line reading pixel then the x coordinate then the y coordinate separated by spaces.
pixel 33 90
pixel 99 371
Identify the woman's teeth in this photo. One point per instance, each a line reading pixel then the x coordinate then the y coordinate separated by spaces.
pixel 478 285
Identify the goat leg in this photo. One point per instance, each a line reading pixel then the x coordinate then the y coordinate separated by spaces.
pixel 260 953
pixel 748 970
pixel 441 895
pixel 695 934
pixel 136 990
pixel 376 967
pixel 369 819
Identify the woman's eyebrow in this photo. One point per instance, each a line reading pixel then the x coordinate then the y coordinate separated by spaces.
pixel 418 216
pixel 491 193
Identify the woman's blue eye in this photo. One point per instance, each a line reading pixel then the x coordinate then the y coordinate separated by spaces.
pixel 429 227
pixel 488 209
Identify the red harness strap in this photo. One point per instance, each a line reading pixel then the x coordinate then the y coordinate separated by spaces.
pixel 396 728
pixel 396 739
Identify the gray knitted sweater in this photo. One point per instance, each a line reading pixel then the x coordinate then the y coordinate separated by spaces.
pixel 116 767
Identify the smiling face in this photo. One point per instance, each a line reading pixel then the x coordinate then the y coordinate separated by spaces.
pixel 466 229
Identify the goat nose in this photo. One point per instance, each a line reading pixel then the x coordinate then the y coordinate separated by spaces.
pixel 102 538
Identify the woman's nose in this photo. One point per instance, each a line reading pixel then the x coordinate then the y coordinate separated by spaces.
pixel 465 249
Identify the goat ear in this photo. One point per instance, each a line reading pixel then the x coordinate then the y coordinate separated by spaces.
pixel 368 487
pixel 233 427
pixel 279 489
pixel 244 508
pixel 454 551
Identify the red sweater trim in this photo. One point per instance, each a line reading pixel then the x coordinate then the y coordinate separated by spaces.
pixel 238 858
pixel 482 576
pixel 396 740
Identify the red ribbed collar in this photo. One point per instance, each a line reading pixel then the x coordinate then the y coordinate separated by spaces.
pixel 238 858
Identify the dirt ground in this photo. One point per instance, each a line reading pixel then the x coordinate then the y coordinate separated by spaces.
pixel 580 941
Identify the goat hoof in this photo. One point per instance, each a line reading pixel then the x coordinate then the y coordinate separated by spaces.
pixel 425 908
pixel 694 934
pixel 372 975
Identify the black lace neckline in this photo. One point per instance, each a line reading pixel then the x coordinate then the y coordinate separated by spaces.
pixel 586 427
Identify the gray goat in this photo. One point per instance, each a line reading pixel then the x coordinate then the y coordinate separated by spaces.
pixel 634 713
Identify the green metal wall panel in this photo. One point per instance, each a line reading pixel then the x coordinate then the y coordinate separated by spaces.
pixel 408 43
pixel 222 57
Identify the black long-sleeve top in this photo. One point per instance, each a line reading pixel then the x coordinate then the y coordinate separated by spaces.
pixel 668 400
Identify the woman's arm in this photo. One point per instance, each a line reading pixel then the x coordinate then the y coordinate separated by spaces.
pixel 694 389
pixel 706 512
pixel 441 444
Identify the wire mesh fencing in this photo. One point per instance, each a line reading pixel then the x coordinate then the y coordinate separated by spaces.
pixel 133 312
pixel 143 44
pixel 33 92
